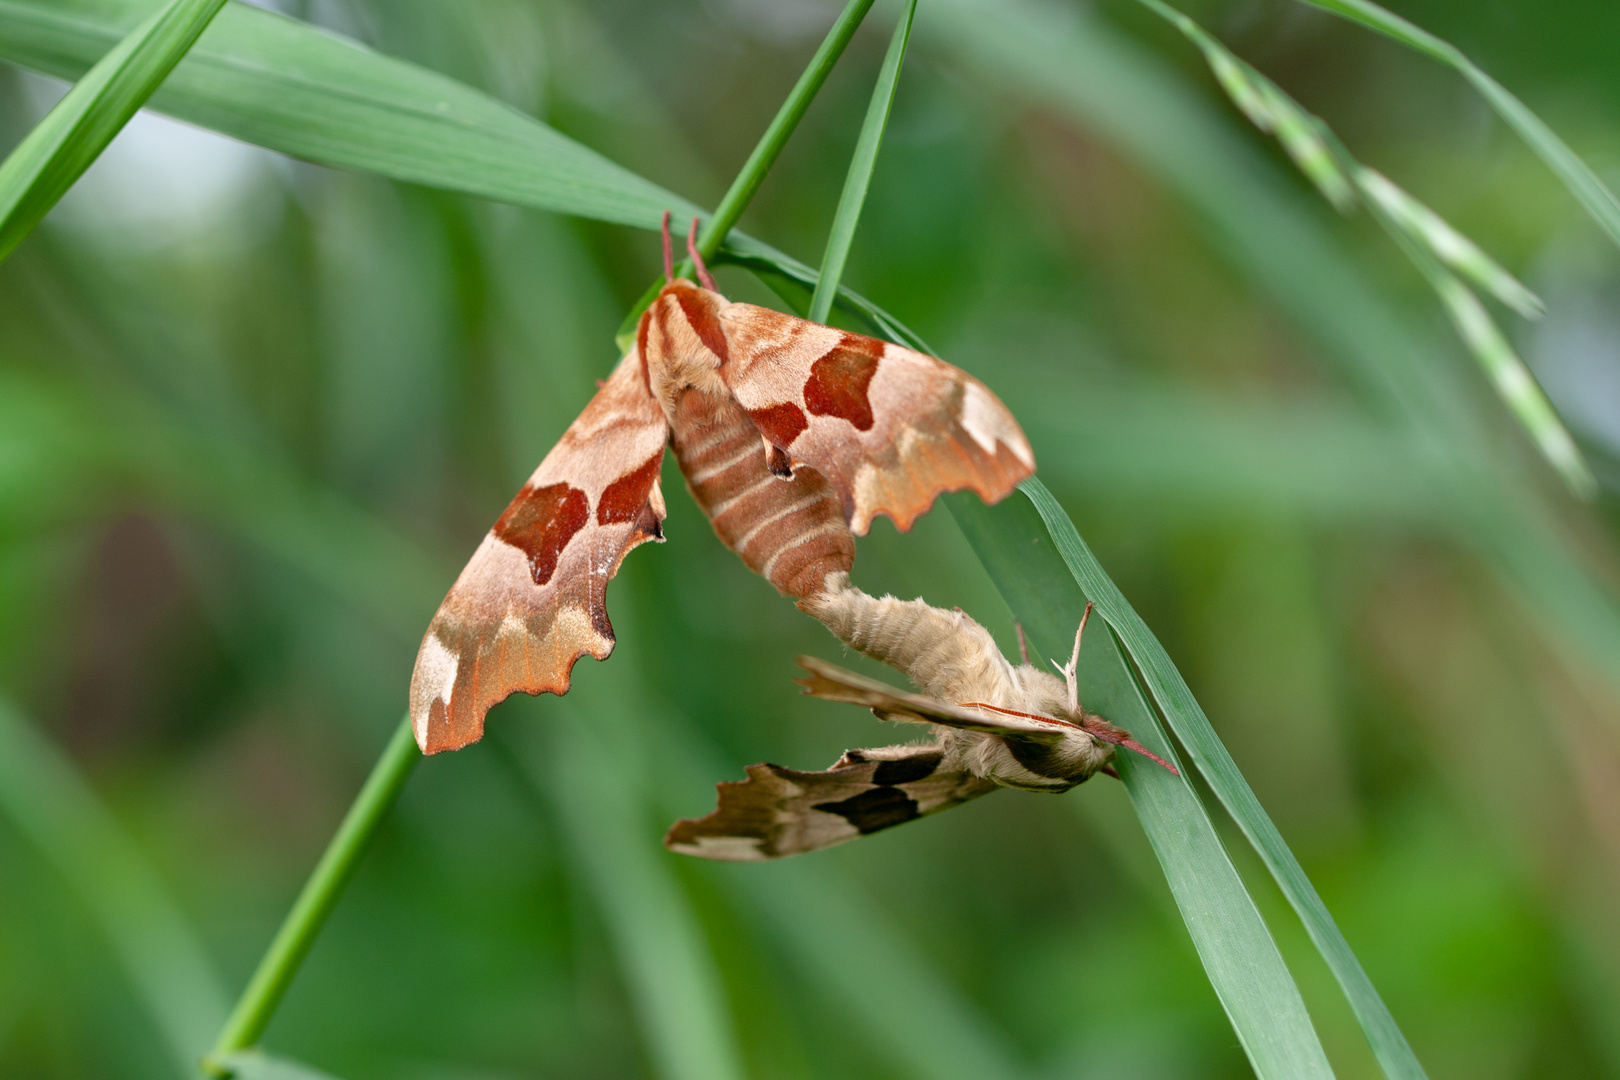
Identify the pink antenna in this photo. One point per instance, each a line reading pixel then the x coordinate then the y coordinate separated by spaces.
pixel 697 260
pixel 669 252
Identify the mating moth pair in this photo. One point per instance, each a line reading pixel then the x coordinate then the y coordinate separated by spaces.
pixel 792 437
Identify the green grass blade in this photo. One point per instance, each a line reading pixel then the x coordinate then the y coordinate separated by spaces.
pixel 1192 727
pixel 1452 248
pixel 667 965
pixel 761 158
pixel 861 164
pixel 1514 383
pixel 1565 164
pixel 1427 239
pixel 286 86
pixel 50 804
pixel 282 84
pixel 1267 108
pixel 1239 955
pixel 55 154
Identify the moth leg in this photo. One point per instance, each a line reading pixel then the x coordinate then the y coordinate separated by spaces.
pixel 1023 642
pixel 697 259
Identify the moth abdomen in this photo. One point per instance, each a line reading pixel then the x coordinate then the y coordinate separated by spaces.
pixel 944 653
pixel 788 529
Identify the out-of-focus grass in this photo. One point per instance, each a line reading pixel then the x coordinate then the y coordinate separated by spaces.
pixel 1237 403
pixel 41 168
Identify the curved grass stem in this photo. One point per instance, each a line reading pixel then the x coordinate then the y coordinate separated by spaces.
pixel 319 896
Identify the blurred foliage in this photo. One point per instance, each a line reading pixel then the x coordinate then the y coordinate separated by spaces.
pixel 254 414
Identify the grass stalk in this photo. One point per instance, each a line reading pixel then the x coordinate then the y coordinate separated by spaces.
pixel 1441 254
pixel 766 151
pixel 787 118
pixel 1575 174
pixel 861 164
pixel 319 896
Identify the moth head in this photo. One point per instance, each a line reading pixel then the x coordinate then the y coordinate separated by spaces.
pixel 1086 747
pixel 1061 701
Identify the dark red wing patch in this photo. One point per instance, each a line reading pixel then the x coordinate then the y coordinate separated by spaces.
pixel 626 498
pixel 838 381
pixel 889 428
pixel 540 521
pixel 780 423
pixel 641 348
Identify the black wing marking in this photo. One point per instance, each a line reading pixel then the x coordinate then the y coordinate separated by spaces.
pixel 778 812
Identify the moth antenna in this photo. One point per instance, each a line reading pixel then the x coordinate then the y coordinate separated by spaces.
pixel 669 252
pixel 1070 673
pixel 697 260
pixel 1108 733
pixel 1023 643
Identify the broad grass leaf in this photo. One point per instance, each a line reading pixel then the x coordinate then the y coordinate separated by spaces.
pixel 282 84
pixel 1239 955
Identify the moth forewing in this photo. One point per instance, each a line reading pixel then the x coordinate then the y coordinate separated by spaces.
pixel 833 683
pixel 890 428
pixel 532 599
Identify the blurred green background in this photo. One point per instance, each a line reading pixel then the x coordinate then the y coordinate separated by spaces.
pixel 255 414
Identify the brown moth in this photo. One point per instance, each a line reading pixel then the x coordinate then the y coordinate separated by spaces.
pixel 792 436
pixel 994 725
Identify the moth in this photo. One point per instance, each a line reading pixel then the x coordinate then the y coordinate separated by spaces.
pixel 792 437
pixel 994 725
